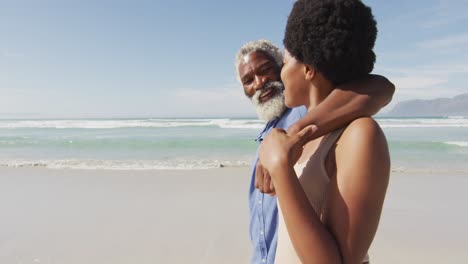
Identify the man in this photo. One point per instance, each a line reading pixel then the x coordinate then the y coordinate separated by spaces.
pixel 258 65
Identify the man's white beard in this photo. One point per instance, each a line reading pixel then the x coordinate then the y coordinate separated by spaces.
pixel 274 107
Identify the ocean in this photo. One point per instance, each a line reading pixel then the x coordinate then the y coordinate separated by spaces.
pixel 429 145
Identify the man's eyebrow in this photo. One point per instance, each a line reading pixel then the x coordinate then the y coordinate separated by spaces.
pixel 261 66
pixel 265 64
pixel 245 76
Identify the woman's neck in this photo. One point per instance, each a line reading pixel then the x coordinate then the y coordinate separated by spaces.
pixel 319 90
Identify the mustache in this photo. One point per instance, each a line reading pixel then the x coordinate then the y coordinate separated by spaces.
pixel 273 107
pixel 276 85
pixel 272 85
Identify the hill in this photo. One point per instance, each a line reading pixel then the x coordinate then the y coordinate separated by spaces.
pixel 456 106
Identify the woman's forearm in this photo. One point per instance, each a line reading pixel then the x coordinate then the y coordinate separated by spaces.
pixel 311 240
pixel 347 102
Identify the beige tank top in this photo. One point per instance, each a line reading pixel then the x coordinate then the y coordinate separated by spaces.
pixel 314 180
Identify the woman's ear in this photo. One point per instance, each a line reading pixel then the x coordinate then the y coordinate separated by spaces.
pixel 309 72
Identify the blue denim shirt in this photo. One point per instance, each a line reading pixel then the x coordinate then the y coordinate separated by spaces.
pixel 263 207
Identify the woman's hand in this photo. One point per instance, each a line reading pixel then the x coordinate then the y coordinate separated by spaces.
pixel 280 150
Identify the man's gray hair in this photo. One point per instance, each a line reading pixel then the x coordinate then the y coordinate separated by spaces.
pixel 258 45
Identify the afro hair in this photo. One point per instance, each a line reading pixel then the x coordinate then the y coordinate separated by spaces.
pixel 334 36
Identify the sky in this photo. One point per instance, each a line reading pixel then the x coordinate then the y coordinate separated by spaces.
pixel 130 59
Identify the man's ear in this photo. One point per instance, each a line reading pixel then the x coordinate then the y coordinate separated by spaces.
pixel 309 72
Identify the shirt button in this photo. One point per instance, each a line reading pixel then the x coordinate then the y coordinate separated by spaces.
pixel 263 260
pixel 260 202
pixel 261 232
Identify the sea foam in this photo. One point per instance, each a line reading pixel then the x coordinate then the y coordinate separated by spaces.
pixel 224 123
pixel 458 143
pixel 133 123
pixel 125 164
pixel 423 122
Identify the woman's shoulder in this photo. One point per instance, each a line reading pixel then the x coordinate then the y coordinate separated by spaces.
pixel 362 134
pixel 362 129
pixel 361 154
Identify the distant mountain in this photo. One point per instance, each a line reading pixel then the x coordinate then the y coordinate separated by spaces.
pixel 457 106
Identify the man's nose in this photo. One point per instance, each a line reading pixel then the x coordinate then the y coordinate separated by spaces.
pixel 259 82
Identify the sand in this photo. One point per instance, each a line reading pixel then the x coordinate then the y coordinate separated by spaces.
pixel 198 216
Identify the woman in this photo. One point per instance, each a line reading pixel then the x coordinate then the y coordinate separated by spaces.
pixel 331 190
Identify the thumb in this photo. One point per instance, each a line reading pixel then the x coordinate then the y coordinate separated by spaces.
pixel 306 134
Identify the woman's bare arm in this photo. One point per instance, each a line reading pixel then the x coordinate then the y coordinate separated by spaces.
pixel 361 98
pixel 355 198
pixel 357 191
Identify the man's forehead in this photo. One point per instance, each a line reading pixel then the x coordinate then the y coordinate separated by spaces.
pixel 255 59
pixel 252 61
pixel 257 55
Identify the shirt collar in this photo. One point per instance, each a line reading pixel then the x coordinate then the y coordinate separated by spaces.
pixel 269 125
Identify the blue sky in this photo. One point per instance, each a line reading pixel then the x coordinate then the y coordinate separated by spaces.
pixel 174 58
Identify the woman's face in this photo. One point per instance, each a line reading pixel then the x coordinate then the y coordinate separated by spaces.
pixel 293 75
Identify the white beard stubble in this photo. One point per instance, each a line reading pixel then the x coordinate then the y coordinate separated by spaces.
pixel 274 107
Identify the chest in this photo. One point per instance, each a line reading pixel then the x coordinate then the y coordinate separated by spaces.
pixel 315 169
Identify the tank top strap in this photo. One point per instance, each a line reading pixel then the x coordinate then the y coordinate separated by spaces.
pixel 328 142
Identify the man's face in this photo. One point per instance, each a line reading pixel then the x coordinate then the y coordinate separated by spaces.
pixel 260 77
pixel 256 69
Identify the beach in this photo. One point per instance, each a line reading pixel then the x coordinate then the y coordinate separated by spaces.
pixel 137 191
pixel 68 216
pixel 130 130
pixel 99 216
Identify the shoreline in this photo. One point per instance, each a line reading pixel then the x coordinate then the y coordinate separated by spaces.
pixel 396 170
